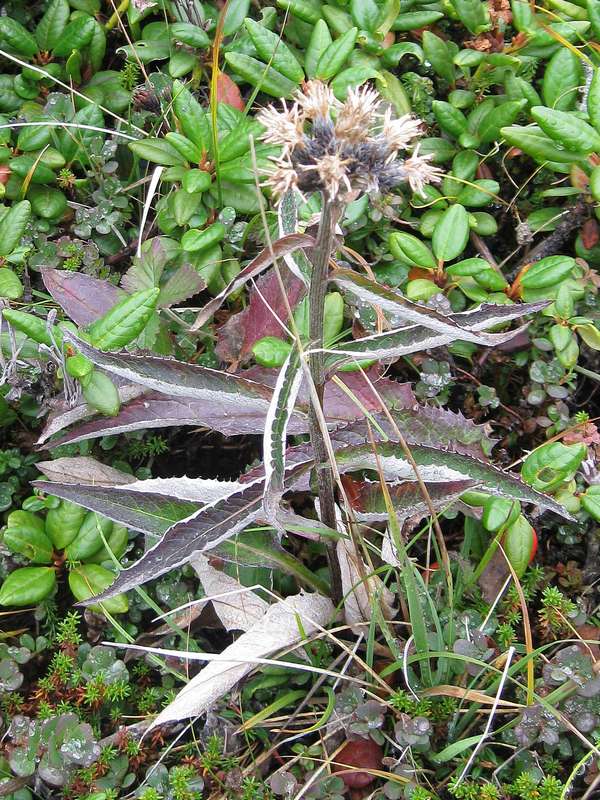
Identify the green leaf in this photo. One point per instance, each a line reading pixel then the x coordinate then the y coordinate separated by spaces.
pixel 75 143
pixel 89 537
pixel 451 233
pixel 192 117
pixel 97 47
pixel 320 39
pixel 563 127
pixel 439 56
pixel 590 500
pixel 272 49
pixel 473 15
pixel 76 35
pixel 562 78
pixel 63 523
pixel 365 14
pixel 590 335
pixel 334 57
pixel 100 393
pixel 125 321
pixel 237 11
pixel 47 202
pixel 33 169
pixel 406 247
pixel 88 580
pixel 552 464
pixel 481 193
pixel 52 25
pixel 547 272
pixel 593 101
pixel 537 145
pixel 10 284
pixel 158 151
pixel 28 542
pixel 15 37
pixel 189 34
pixel 181 63
pixel 260 75
pixel 497 118
pixel 27 586
pixel 351 78
pixel 12 226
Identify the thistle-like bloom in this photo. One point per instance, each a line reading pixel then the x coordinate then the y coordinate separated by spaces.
pixel 343 150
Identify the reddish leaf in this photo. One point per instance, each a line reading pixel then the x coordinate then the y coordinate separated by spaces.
pixel 83 298
pixel 228 92
pixel 372 392
pixel 357 755
pixel 260 318
pixel 590 234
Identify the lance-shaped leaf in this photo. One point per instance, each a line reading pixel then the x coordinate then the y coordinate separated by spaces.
pixel 154 410
pixel 276 426
pixel 146 506
pixel 415 338
pixel 61 419
pixel 401 309
pixel 235 395
pixel 436 428
pixel 287 219
pixel 204 530
pixel 83 298
pixel 440 465
pixel 368 500
pixel 282 247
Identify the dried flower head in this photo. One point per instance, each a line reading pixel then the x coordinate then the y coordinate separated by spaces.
pixel 343 149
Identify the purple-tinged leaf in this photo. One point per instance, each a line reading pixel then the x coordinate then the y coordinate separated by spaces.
pixel 441 466
pixel 415 338
pixel 425 425
pixel 372 391
pixel 83 298
pixel 203 530
pixel 401 309
pixel 280 248
pixel 154 410
pixel 263 316
pixel 151 506
pixel 60 419
pixel 178 379
pixel 369 505
pixel 276 428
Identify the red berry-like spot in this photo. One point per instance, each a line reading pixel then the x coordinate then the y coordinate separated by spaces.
pixel 534 546
pixel 362 753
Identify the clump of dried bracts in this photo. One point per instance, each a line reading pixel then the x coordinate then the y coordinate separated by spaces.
pixel 344 149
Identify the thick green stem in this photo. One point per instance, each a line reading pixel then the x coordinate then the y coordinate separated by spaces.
pixel 316 299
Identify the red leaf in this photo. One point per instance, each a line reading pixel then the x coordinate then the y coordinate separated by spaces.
pixel 260 318
pixel 363 753
pixel 228 92
pixel 590 235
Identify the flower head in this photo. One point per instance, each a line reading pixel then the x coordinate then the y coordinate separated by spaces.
pixel 419 171
pixel 343 149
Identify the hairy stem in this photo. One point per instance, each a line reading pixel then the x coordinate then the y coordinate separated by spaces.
pixel 316 300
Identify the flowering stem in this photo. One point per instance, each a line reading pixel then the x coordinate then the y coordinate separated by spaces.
pixel 316 302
